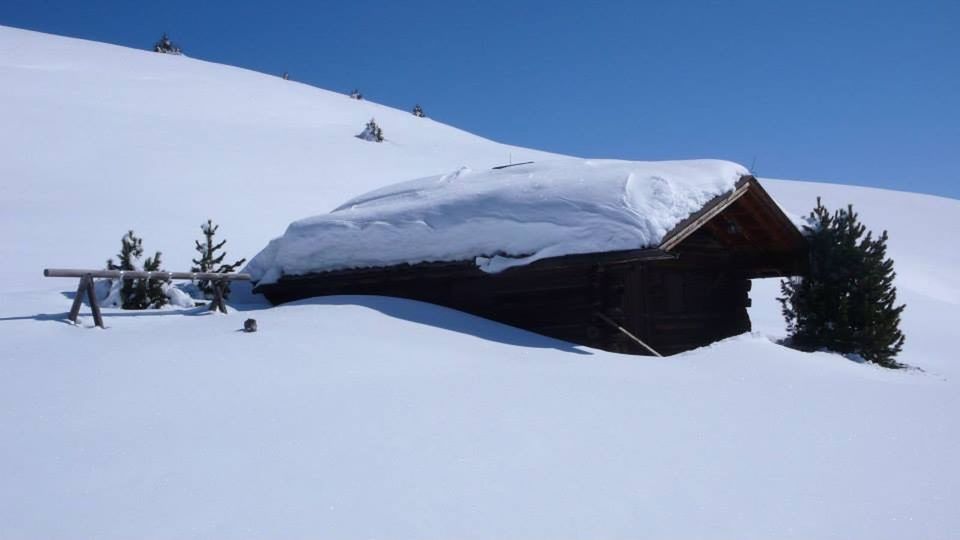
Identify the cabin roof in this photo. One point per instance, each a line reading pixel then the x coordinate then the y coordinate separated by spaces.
pixel 513 216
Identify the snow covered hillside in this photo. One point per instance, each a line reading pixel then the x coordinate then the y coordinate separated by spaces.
pixel 106 139
pixel 351 417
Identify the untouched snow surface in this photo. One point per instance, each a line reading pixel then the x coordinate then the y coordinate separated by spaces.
pixel 501 218
pixel 160 143
pixel 351 417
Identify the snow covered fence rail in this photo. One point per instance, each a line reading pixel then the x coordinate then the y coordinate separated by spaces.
pixel 138 274
pixel 87 276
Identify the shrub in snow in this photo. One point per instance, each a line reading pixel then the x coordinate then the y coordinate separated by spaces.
pixel 210 261
pixel 356 94
pixel 846 302
pixel 418 111
pixel 135 293
pixel 372 132
pixel 166 46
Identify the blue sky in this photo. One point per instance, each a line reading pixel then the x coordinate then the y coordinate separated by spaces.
pixel 855 92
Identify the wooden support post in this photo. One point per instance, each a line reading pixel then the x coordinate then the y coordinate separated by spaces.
pixel 218 303
pixel 94 305
pixel 86 288
pixel 627 333
pixel 77 300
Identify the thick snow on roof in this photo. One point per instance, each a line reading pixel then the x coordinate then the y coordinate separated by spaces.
pixel 501 218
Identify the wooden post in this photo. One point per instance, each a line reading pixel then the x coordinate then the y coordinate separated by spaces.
pixel 77 300
pixel 218 303
pixel 86 288
pixel 94 305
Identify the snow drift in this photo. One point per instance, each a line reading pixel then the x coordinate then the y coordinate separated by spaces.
pixel 502 217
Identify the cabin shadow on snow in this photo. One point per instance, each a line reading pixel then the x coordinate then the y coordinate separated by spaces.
pixel 447 319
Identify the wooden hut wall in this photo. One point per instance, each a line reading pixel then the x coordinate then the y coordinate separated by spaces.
pixel 672 305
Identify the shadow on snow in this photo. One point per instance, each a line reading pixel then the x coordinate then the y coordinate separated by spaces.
pixel 447 319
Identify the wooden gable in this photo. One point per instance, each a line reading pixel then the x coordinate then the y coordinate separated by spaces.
pixel 749 226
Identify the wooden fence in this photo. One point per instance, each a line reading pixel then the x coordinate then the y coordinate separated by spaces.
pixel 87 276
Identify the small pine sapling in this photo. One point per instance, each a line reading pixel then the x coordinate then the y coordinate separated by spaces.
pixel 131 249
pixel 418 111
pixel 210 261
pixel 371 132
pixel 846 302
pixel 137 293
pixel 166 46
pixel 152 290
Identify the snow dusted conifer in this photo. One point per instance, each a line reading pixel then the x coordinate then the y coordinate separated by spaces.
pixel 372 132
pixel 131 249
pixel 151 291
pixel 137 293
pixel 846 302
pixel 164 45
pixel 210 261
pixel 418 111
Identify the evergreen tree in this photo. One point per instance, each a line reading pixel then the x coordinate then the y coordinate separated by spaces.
pixel 131 249
pixel 372 132
pixel 418 111
pixel 846 302
pixel 137 293
pixel 151 291
pixel 166 46
pixel 210 261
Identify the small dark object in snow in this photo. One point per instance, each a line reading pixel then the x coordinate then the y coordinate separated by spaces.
pixel 250 325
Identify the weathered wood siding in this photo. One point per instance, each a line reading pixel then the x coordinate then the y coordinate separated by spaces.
pixel 668 304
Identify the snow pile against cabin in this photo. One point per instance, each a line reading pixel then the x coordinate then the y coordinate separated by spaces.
pixel 503 217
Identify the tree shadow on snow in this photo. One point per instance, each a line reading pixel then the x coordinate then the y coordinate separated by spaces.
pixel 447 319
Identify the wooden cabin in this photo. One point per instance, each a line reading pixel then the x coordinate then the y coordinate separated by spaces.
pixel 689 291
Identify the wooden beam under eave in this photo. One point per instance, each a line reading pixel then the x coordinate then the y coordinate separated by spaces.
pixel 708 212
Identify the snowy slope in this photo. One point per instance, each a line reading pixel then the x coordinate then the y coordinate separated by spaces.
pixel 352 417
pixel 108 139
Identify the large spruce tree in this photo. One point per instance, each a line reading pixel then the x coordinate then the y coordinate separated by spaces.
pixel 846 302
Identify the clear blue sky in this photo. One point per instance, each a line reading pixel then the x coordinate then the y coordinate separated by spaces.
pixel 855 92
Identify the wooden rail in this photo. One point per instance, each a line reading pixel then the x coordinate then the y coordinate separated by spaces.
pixel 86 285
pixel 138 274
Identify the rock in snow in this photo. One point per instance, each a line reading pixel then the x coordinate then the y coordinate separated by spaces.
pixel 501 218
